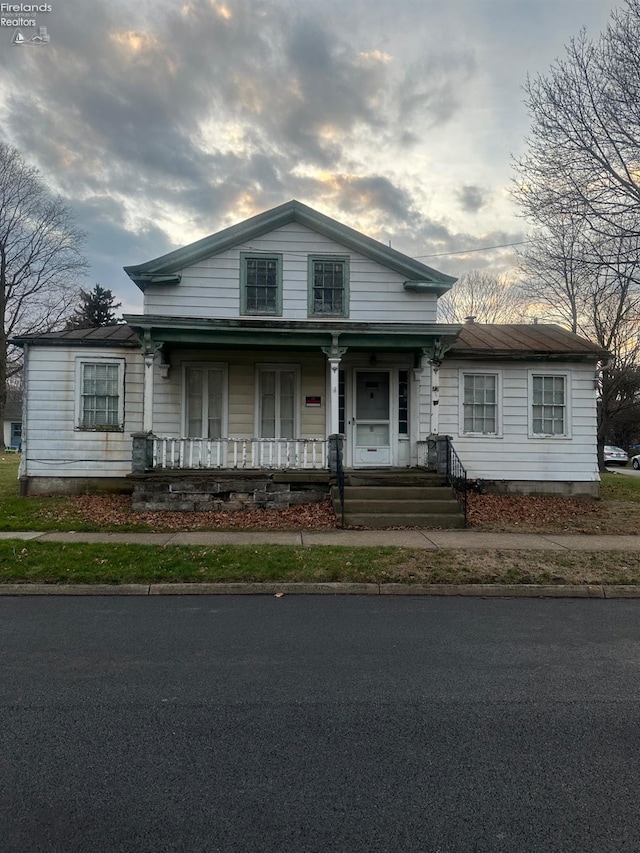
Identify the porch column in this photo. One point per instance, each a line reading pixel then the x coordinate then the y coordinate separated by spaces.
pixel 147 419
pixel 149 349
pixel 334 355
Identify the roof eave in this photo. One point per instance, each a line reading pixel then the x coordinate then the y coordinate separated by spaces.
pixel 174 262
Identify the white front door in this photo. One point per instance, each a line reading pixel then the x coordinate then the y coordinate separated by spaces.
pixel 372 421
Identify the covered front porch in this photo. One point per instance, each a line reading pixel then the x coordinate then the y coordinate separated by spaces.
pixel 267 394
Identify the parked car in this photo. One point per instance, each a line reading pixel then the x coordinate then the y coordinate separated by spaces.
pixel 635 461
pixel 616 456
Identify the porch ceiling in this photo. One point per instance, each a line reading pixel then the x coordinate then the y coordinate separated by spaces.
pixel 292 334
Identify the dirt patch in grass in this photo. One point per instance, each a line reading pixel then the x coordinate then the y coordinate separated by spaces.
pixel 517 567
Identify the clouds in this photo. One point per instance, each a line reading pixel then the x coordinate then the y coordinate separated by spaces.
pixel 166 121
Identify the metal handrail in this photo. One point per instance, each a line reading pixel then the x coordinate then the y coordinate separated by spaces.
pixel 457 477
pixel 340 478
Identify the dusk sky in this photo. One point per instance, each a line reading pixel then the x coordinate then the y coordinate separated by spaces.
pixel 163 122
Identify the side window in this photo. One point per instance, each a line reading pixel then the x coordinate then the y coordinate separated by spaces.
pixel 261 284
pixel 480 403
pixel 100 395
pixel 548 405
pixel 328 286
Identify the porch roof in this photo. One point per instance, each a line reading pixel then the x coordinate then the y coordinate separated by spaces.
pixel 293 334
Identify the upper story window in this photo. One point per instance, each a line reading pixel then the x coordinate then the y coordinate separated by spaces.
pixel 261 284
pixel 100 397
pixel 328 286
pixel 548 405
pixel 480 403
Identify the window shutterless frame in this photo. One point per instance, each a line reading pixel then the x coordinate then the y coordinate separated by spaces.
pixel 328 285
pixel 549 404
pixel 198 374
pixel 480 403
pixel 261 284
pixel 99 394
pixel 277 401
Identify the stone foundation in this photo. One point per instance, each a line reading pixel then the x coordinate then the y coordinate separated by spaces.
pixel 560 488
pixel 212 491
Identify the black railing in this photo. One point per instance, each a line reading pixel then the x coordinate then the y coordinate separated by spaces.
pixel 336 468
pixel 456 476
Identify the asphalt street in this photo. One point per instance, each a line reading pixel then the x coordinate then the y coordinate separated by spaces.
pixel 319 724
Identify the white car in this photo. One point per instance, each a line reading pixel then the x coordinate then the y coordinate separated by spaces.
pixel 617 456
pixel 635 461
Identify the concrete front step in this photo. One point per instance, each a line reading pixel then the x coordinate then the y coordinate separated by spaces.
pixel 396 493
pixel 440 507
pixel 366 478
pixel 428 520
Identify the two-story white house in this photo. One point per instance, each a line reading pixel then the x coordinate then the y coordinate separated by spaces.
pixel 258 343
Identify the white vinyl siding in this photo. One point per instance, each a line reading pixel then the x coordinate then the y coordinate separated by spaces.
pixel 52 442
pixel 211 288
pixel 517 454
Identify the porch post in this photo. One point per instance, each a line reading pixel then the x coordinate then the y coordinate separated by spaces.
pixel 147 420
pixel 149 349
pixel 334 355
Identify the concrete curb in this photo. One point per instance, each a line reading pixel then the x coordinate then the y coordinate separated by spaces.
pixel 476 590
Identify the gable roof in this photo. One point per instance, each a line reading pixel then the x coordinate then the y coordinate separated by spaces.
pixel 511 340
pixel 166 268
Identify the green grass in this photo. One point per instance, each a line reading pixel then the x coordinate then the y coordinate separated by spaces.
pixel 620 487
pixel 82 563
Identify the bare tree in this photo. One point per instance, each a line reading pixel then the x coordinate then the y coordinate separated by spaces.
pixel 40 258
pixel 591 284
pixel 583 147
pixel 486 298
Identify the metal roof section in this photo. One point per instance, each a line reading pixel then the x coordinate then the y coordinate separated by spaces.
pixel 167 268
pixel 481 340
pixel 118 335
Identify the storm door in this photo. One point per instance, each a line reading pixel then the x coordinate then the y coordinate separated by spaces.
pixel 372 422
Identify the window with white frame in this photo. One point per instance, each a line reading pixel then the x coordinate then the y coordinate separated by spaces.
pixel 480 403
pixel 261 284
pixel 205 396
pixel 277 401
pixel 328 286
pixel 548 405
pixel 100 398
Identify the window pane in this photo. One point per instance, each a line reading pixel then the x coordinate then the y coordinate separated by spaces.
pixel 548 405
pixel 268 404
pixel 328 287
pixel 480 409
pixel 100 394
pixel 261 285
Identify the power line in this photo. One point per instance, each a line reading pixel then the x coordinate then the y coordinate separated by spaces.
pixel 468 251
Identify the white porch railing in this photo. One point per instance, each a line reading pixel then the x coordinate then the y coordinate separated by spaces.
pixel 283 453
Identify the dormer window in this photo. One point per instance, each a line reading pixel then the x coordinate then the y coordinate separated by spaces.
pixel 261 284
pixel 328 286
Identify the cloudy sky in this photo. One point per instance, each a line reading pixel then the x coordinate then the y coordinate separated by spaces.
pixel 165 120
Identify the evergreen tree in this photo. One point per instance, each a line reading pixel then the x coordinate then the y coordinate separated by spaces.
pixel 97 308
